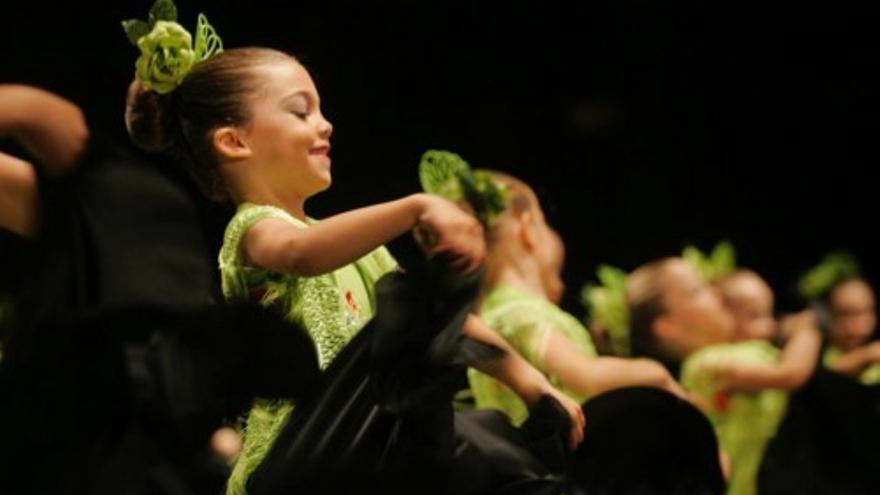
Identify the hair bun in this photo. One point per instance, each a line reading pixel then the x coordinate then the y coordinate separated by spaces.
pixel 149 119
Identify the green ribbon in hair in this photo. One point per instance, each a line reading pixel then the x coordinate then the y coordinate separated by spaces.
pixel 834 267
pixel 447 175
pixel 606 307
pixel 167 50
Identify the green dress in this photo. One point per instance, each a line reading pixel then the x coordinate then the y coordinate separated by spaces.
pixel 869 376
pixel 526 321
pixel 332 308
pixel 744 421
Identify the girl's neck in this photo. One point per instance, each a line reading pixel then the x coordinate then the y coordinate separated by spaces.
pixel 527 280
pixel 262 195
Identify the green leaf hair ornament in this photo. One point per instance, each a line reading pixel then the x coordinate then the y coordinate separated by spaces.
pixel 720 262
pixel 834 267
pixel 208 43
pixel 447 175
pixel 167 49
pixel 606 307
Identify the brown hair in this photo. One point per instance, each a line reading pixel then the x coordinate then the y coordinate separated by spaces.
pixel 644 299
pixel 215 93
pixel 519 199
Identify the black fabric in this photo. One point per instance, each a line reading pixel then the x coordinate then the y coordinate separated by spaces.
pixel 646 441
pixel 637 441
pixel 125 401
pixel 382 418
pixel 115 370
pixel 118 231
pixel 492 456
pixel 827 442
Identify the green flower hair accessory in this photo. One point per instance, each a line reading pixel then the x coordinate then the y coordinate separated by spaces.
pixel 448 175
pixel 167 51
pixel 836 266
pixel 720 262
pixel 606 307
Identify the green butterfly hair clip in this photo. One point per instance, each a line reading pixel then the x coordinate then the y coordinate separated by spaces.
pixel 167 50
pixel 606 307
pixel 720 262
pixel 448 175
pixel 834 267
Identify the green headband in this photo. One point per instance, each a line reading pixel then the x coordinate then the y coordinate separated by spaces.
pixel 167 51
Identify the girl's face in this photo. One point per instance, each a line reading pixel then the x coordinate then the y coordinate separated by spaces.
pixel 288 136
pixel 750 300
pixel 853 314
pixel 695 316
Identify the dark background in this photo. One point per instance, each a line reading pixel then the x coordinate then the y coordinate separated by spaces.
pixel 643 125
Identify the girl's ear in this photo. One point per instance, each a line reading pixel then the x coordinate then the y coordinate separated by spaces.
pixel 528 235
pixel 230 144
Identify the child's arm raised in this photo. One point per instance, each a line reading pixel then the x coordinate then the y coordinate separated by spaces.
pixel 50 128
pixel 53 131
pixel 342 239
pixel 854 362
pixel 795 366
pixel 594 375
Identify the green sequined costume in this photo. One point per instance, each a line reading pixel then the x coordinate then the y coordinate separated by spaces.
pixel 332 308
pixel 526 321
pixel 745 422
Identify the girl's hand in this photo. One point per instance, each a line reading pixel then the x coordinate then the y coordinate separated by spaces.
pixel 575 415
pixel 444 228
